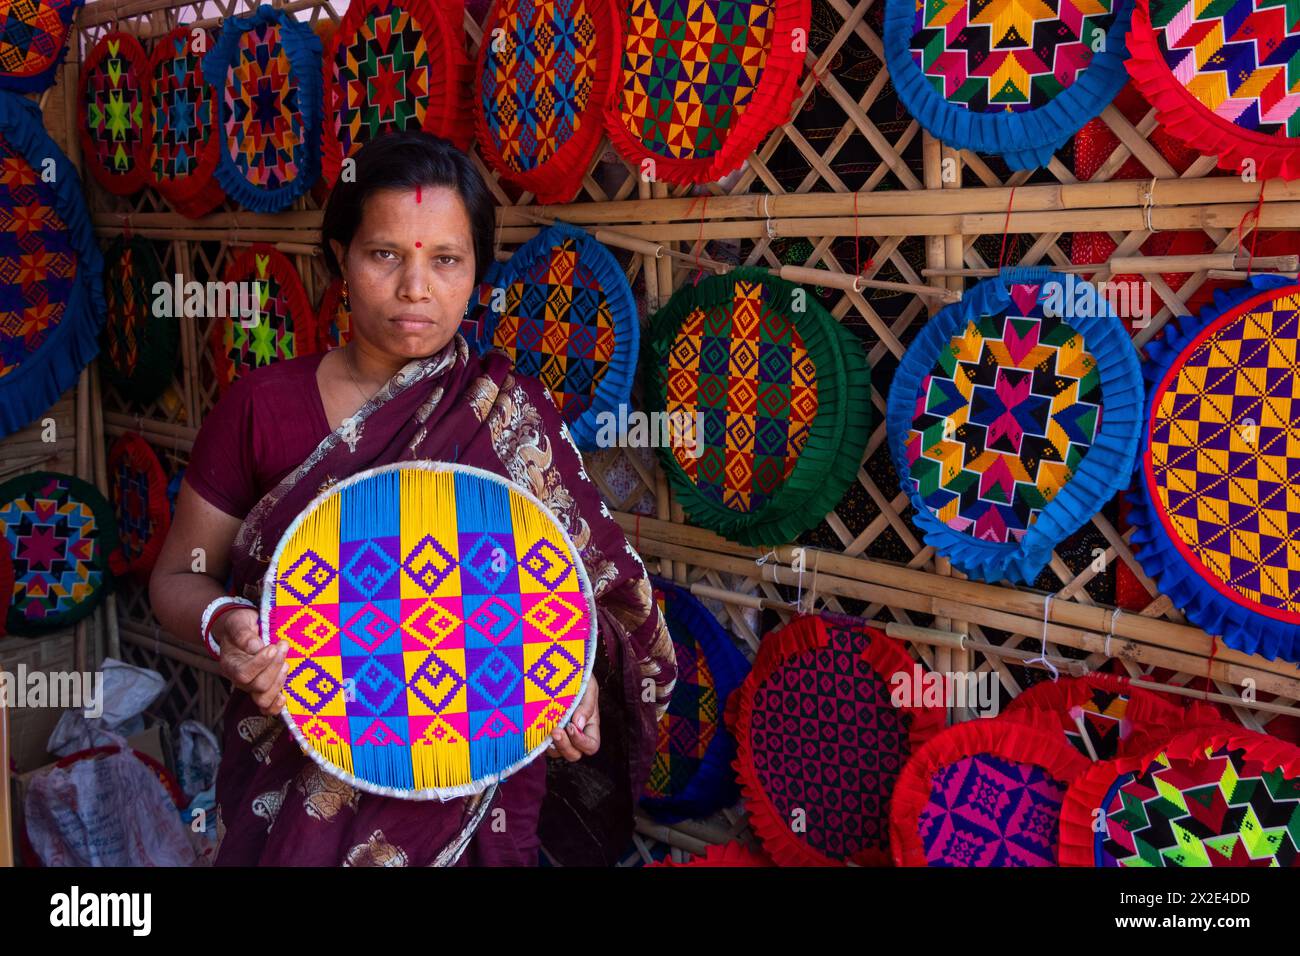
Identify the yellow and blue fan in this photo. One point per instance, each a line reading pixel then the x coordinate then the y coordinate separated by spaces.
pixel 439 623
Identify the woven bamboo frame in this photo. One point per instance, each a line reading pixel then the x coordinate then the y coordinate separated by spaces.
pixel 906 210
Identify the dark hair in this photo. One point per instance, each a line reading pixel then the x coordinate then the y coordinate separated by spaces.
pixel 405 160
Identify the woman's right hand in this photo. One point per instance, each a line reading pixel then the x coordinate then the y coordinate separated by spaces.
pixel 258 670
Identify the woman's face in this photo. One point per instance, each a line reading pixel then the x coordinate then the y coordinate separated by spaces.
pixel 409 270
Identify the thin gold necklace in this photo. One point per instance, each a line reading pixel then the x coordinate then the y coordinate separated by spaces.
pixel 347 362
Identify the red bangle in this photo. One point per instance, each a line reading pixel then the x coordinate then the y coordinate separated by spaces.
pixel 208 641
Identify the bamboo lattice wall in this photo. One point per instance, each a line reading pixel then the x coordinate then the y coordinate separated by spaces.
pixel 851 183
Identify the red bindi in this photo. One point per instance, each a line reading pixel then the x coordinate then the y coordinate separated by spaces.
pixel 417 243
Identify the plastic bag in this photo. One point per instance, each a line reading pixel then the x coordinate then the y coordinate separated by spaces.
pixel 198 755
pixel 125 692
pixel 110 810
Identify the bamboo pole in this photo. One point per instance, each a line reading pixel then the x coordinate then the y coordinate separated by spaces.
pixel 138 423
pixel 113 648
pixel 946 204
pixel 6 815
pixel 1138 651
pixel 957 200
pixel 83 471
pixel 1123 265
pixel 852 283
pixel 956 592
pixel 1217 263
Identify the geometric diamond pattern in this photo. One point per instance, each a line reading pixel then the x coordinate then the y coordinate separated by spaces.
pixel 429 659
pixel 988 811
pixel 1225 456
pixel 690 69
pixel 992 56
pixel 557 325
pixel 741 371
pixel 1236 57
pixel 1004 419
pixel 1223 809
pixel 826 739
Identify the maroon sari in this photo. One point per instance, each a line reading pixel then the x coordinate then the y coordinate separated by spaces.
pixel 276 806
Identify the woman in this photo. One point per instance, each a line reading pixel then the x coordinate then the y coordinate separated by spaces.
pixel 411 237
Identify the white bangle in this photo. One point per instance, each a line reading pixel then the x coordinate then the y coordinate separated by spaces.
pixel 205 623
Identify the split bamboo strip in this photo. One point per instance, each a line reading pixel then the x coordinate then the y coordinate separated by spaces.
pixel 6 821
pixel 109 617
pixel 843 280
pixel 168 646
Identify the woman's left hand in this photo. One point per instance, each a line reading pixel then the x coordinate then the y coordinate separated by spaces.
pixel 581 736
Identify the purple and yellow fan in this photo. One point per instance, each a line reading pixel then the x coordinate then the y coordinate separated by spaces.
pixel 33 42
pixel 439 623
pixel 1215 515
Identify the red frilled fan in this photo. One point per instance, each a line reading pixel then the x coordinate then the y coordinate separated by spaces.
pixel 1104 715
pixel 333 318
pixel 727 855
pixel 1209 797
pixel 182 113
pixel 138 490
pixel 394 66
pixel 111 113
pixel 277 324
pixel 1220 76
pixel 545 77
pixel 983 793
pixel 820 742
pixel 702 84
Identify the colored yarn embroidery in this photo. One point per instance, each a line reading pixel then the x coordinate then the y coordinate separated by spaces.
pixel 439 626
pixel 140 344
pixel 1219 76
pixel 781 395
pixel 60 532
pixel 138 490
pixel 111 113
pixel 1013 78
pixel 1212 516
pixel 561 307
pixel 184 136
pixel 1011 426
pixel 1117 718
pixel 33 41
pixel 266 67
pixel 334 318
pixel 283 327
pixel 690 775
pixel 394 66
pixel 983 793
pixel 543 91
pixel 1224 797
pixel 703 82
pixel 816 730
pixel 51 298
